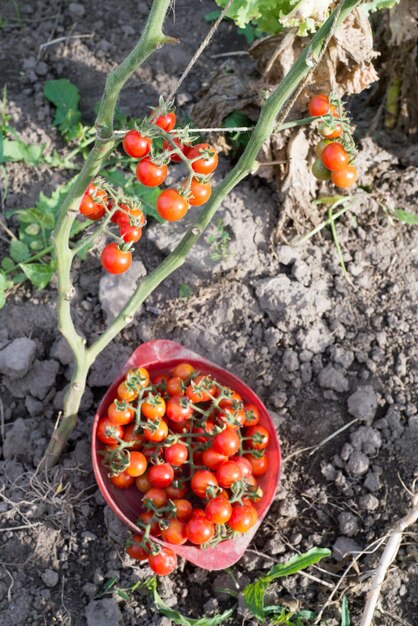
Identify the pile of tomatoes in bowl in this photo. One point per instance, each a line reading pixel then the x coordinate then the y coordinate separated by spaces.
pixel 192 454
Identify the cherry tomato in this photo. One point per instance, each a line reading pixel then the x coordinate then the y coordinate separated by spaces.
pixel 127 393
pixel 175 532
pixel 206 164
pixel 320 146
pixel 331 132
pixel 228 473
pixel 130 234
pixel 137 464
pixel 213 459
pixel 137 551
pixel 200 192
pixel 136 145
pixel 199 530
pixel 345 178
pixel 234 417
pixel 133 437
pixel 157 496
pixel 252 415
pixel 180 427
pixel 245 465
pixel 320 171
pixel 243 518
pixel 122 480
pixel 171 206
pixel 161 475
pixel 167 146
pixel 175 386
pixel 201 389
pixel 107 431
pixel 122 416
pixel 262 436
pixel 139 377
pixel 201 481
pixel 178 409
pixel 163 563
pixel 146 518
pixel 114 260
pixel 177 454
pixel 153 407
pixel 232 398
pixel 160 382
pixel 176 491
pixel 157 434
pixel 184 509
pixel 129 215
pixel 207 429
pixel 183 370
pixel 166 122
pixel 142 483
pixel 93 202
pixel 150 174
pixel 319 105
pixel 260 465
pixel 218 510
pixel 334 157
pixel 227 442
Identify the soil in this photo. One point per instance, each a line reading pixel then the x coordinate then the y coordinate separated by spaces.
pixel 319 349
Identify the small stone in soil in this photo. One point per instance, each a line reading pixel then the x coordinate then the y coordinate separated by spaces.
pixel 363 403
pixel 358 464
pixel 17 357
pixel 348 523
pixel 50 578
pixel 330 378
pixel 103 612
pixel 343 547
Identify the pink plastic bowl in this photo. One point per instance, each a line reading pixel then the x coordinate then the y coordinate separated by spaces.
pixel 158 357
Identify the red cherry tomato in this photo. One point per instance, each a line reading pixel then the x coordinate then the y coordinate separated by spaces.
pixel 178 409
pixel 157 496
pixel 137 551
pixel 227 442
pixel 320 146
pixel 260 437
pixel 161 475
pixel 184 509
pixel 207 163
pixel 130 234
pixel 213 459
pixel 183 370
pixel 331 132
pixel 334 157
pixel 163 563
pixel 199 530
pixel 176 386
pixel 201 389
pixel 142 483
pixel 107 431
pixel 166 122
pixel 129 215
pixel 319 105
pixel 153 407
pixel 127 393
pixel 133 437
pixel 167 146
pixel 137 464
pixel 245 466
pixel 177 454
pixel 136 145
pixel 345 178
pixel 93 202
pixel 243 518
pixel 121 416
pixel 252 415
pixel 146 518
pixel 122 480
pixel 260 465
pixel 171 206
pixel 114 260
pixel 218 510
pixel 175 492
pixel 157 434
pixel 175 532
pixel 228 473
pixel 201 481
pixel 150 174
pixel 200 192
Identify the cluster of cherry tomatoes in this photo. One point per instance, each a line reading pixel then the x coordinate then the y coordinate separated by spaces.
pixel 335 158
pixel 152 170
pixel 194 449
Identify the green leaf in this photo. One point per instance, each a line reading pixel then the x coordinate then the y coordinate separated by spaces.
pixel 122 594
pixel 255 592
pixel 65 96
pixel 406 217
pixel 7 264
pixel 38 273
pixel 32 229
pixel 180 619
pixel 212 16
pixel 2 290
pixel 185 291
pixel 345 613
pixel 20 151
pixel 378 5
pixel 19 251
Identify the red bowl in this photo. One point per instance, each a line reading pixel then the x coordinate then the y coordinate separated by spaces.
pixel 157 357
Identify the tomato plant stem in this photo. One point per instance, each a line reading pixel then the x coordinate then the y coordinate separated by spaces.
pixel 273 113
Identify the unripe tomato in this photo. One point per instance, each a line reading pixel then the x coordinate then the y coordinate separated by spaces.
pixel 171 206
pixel 114 260
pixel 206 164
pixel 319 105
pixel 335 157
pixel 136 145
pixel 150 174
pixel 320 171
pixel 320 146
pixel 163 563
pixel 345 178
pixel 142 483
